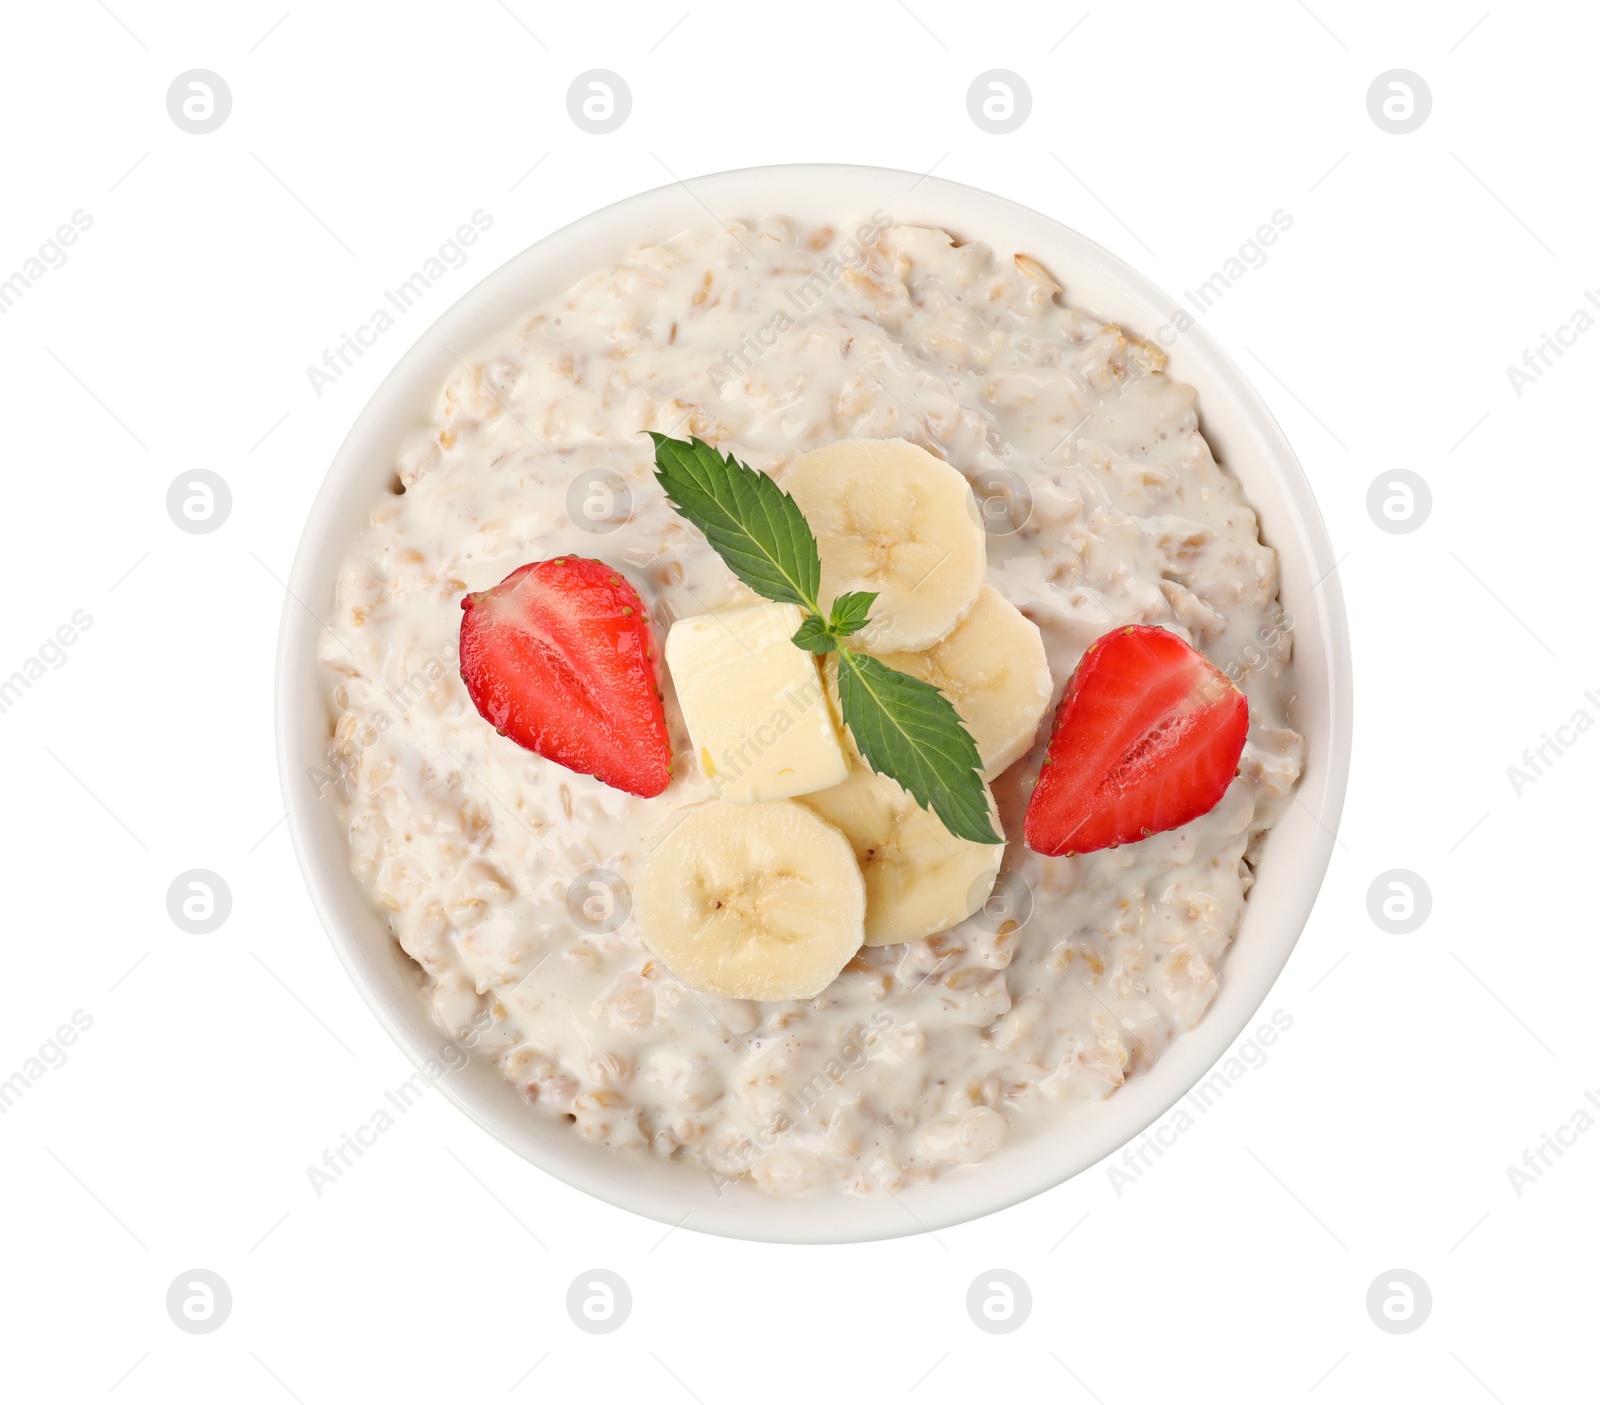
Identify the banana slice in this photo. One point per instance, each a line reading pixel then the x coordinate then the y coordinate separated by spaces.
pixel 758 901
pixel 890 517
pixel 992 666
pixel 920 878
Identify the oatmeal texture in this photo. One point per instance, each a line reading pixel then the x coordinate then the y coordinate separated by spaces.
pixel 771 338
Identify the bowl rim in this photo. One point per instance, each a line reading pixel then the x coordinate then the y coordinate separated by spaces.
pixel 1298 534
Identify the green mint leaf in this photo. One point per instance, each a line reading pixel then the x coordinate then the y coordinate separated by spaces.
pixel 909 731
pixel 814 636
pixel 850 612
pixel 752 524
pixel 904 728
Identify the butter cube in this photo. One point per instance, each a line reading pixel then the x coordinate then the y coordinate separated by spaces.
pixel 754 704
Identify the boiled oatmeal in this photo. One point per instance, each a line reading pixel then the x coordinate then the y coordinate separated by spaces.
pixel 509 879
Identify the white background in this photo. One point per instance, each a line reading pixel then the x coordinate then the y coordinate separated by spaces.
pixel 218 267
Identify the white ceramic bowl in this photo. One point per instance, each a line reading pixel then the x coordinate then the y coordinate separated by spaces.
pixel 1241 432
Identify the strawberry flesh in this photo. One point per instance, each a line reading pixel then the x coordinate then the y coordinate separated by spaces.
pixel 559 658
pixel 1147 738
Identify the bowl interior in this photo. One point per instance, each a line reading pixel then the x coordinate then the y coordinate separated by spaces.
pixel 1243 436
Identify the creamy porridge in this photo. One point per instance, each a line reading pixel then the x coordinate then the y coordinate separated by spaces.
pixel 507 878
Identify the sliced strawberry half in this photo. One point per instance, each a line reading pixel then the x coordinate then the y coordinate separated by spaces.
pixel 1147 738
pixel 559 657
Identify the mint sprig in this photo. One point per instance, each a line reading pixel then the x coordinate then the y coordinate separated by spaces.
pixel 904 728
